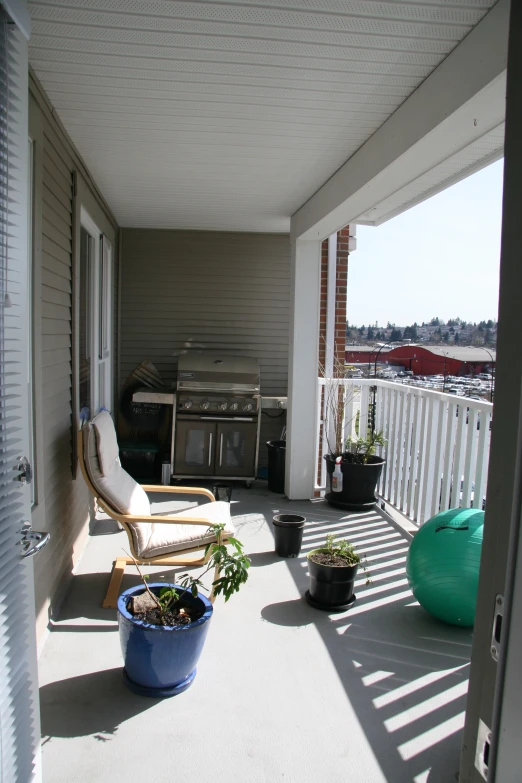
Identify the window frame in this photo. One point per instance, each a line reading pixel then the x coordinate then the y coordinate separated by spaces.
pixel 99 322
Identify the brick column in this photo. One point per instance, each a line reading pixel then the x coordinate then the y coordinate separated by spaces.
pixel 341 283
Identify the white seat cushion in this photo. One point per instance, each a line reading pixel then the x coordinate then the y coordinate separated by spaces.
pixel 166 539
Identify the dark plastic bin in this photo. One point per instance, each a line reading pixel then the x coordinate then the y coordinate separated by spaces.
pixel 276 465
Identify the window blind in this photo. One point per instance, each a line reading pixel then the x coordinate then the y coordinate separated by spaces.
pixel 18 696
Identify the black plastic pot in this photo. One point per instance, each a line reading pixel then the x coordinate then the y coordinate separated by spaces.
pixel 223 491
pixel 359 483
pixel 331 587
pixel 288 534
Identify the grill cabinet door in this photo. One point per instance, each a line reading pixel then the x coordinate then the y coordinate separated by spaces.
pixel 235 448
pixel 195 447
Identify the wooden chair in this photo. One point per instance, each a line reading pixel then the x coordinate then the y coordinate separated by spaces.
pixel 153 539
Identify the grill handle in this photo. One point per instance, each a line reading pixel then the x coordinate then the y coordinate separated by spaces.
pixel 226 418
pixel 209 449
pixel 221 450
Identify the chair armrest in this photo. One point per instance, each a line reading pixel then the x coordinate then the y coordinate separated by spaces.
pixel 166 520
pixel 178 490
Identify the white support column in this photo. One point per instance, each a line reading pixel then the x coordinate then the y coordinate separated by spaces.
pixel 330 307
pixel 302 376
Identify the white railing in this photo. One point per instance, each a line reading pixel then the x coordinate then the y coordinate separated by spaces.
pixel 437 445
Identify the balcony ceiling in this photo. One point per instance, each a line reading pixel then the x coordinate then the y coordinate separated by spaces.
pixel 228 115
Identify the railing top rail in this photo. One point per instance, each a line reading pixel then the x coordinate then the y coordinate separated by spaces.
pixel 407 389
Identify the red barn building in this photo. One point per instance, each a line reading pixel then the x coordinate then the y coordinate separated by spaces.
pixel 426 360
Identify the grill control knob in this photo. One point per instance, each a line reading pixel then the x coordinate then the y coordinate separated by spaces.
pixel 205 406
pixel 247 406
pixel 222 406
pixel 188 404
pixel 234 406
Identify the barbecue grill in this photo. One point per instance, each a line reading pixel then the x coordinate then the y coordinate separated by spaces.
pixel 217 416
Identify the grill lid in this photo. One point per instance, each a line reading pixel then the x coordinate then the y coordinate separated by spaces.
pixel 198 371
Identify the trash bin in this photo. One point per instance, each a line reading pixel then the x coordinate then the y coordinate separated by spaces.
pixel 223 491
pixel 276 465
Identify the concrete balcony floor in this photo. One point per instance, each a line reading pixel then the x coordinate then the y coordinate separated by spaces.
pixel 284 692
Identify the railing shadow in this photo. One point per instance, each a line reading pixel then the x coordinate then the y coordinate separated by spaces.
pixel 404 672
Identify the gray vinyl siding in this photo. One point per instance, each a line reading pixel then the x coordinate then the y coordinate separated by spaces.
pixel 63 504
pixel 207 290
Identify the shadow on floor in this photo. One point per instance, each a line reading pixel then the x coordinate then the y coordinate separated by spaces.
pixel 404 672
pixel 102 703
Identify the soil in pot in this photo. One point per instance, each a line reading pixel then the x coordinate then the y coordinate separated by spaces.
pixel 144 608
pixel 330 560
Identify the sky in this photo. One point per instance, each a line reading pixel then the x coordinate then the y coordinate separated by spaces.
pixel 438 259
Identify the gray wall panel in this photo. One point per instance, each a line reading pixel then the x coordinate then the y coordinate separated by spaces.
pixel 209 290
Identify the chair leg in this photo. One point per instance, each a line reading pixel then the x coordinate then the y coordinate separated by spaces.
pixel 118 569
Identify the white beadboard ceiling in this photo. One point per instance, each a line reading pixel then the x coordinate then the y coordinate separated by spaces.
pixel 231 115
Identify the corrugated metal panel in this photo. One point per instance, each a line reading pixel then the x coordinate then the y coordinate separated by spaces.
pixel 230 115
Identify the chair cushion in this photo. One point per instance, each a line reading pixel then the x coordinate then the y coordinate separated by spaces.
pixel 167 539
pixel 115 485
pixel 106 442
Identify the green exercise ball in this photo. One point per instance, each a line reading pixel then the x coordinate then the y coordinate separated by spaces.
pixel 443 564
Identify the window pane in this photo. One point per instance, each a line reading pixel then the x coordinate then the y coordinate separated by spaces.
pixel 85 304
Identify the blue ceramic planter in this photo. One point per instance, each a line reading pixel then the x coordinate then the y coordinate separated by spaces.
pixel 161 661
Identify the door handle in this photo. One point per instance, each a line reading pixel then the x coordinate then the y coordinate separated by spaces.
pixel 221 450
pixel 26 471
pixel 32 541
pixel 210 449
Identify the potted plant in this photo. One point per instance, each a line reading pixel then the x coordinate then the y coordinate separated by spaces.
pixel 353 467
pixel 354 473
pixel 163 626
pixel 332 570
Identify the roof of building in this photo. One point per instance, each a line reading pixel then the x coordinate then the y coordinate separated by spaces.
pixel 463 353
pixel 369 348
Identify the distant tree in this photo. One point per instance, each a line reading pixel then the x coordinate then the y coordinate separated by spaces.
pixel 463 324
pixel 410 332
pixel 395 335
pixel 361 330
pixel 490 324
pixel 487 337
pixel 457 338
pixel 389 325
pixel 451 322
pixel 445 337
pixel 370 335
pixel 435 322
pixel 481 326
pixel 452 329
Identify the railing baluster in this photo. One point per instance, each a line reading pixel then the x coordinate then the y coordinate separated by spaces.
pixel 420 460
pixel 409 401
pixel 396 494
pixel 392 444
pixel 458 459
pixel 363 418
pixel 482 458
pixel 469 460
pixel 432 414
pixel 448 456
pixel 414 456
pixel 439 451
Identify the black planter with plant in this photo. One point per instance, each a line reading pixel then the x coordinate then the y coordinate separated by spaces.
pixel 332 569
pixel 353 475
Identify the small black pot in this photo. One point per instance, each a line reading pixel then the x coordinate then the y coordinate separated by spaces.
pixel 288 534
pixel 359 483
pixel 331 587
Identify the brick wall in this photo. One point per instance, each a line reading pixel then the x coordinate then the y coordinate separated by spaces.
pixel 340 305
pixel 341 291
